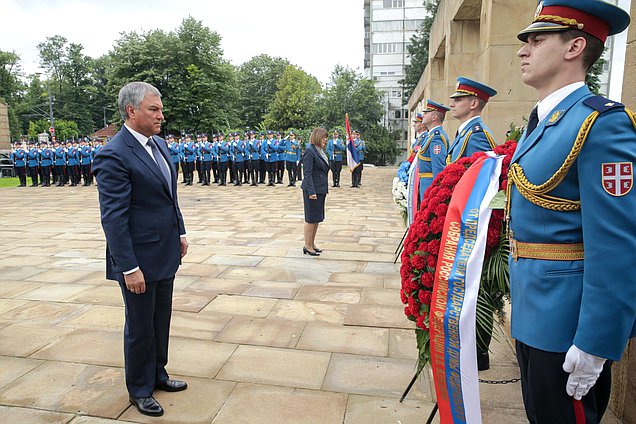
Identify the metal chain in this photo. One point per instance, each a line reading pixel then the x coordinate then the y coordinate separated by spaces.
pixel 512 380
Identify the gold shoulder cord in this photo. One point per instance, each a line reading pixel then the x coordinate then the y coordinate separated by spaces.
pixel 537 194
pixel 491 140
pixel 423 149
pixel 446 142
pixel 632 116
pixel 461 152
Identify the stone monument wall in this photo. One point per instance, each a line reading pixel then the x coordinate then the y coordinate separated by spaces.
pixel 5 134
pixel 478 39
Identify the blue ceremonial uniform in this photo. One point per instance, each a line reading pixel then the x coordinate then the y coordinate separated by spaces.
pixel 475 137
pixel 591 300
pixel 432 157
pixel 18 157
pixel 33 157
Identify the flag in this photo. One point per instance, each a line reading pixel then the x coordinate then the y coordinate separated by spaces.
pixel 454 302
pixel 353 160
pixel 413 191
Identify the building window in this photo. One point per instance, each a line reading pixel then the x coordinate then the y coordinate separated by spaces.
pixel 396 94
pixel 393 3
pixel 388 48
pixel 398 114
pixel 387 26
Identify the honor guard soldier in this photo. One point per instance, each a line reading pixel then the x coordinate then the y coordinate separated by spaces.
pixel 73 163
pixel 224 152
pixel 33 161
pixel 299 159
pixel 190 153
pixel 421 133
pixel 280 164
pixel 86 159
pixel 271 156
pixel 291 156
pixel 254 148
pixel 207 151
pixel 59 163
pixel 571 218
pixel 239 158
pixel 18 157
pixel 198 164
pixel 432 154
pixel 215 157
pixel 46 160
pixel 466 104
pixel 335 149
pixel 359 145
pixel 262 163
pixel 182 158
pixel 175 152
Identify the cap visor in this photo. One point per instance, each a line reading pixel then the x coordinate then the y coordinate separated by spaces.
pixel 541 27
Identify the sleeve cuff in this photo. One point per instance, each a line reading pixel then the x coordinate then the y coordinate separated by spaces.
pixel 131 271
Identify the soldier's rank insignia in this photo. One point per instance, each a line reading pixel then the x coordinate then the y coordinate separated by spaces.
pixel 618 178
pixel 437 149
pixel 554 118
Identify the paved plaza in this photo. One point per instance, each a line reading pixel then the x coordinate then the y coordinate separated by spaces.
pixel 261 333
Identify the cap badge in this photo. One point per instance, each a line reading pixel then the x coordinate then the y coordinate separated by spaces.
pixel 539 9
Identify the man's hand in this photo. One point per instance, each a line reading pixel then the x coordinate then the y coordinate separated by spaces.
pixel 135 282
pixel 184 246
pixel 313 196
pixel 584 370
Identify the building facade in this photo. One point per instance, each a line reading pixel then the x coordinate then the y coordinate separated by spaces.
pixel 389 26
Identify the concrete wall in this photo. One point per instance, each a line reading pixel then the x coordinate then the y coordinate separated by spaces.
pixel 477 39
pixel 5 134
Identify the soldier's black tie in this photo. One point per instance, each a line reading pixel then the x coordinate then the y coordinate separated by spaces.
pixel 533 121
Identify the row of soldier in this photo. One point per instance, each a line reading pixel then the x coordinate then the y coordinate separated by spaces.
pixel 247 158
pixel 250 158
pixel 68 162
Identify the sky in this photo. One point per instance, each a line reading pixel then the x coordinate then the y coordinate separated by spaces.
pixel 315 35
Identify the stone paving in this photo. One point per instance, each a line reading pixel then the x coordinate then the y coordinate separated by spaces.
pixel 261 333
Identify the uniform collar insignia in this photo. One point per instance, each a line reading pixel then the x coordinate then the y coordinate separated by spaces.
pixel 555 117
pixel 463 133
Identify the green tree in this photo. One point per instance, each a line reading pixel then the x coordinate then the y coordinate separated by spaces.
pixel 418 50
pixel 592 79
pixel 198 85
pixel 381 147
pixel 295 103
pixel 257 79
pixel 348 92
pixel 11 88
pixel 64 129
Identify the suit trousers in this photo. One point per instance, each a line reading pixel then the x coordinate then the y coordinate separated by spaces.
pixel 146 333
pixel 543 384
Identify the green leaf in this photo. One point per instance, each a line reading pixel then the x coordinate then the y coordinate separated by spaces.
pixel 499 201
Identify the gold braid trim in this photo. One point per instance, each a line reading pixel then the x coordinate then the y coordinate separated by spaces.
pixel 461 152
pixel 559 20
pixel 537 194
pixel 490 139
pixel 632 116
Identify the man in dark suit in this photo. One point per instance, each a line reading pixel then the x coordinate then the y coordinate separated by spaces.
pixel 145 237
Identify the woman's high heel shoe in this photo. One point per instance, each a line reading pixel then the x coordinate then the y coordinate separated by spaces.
pixel 317 250
pixel 309 252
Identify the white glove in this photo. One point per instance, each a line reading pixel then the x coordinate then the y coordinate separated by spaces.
pixel 584 370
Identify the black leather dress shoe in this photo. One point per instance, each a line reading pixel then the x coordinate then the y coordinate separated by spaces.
pixel 147 406
pixel 171 386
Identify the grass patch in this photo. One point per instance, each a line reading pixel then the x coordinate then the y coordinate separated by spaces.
pixel 9 182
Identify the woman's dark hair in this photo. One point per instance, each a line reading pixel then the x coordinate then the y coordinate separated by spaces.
pixel 316 135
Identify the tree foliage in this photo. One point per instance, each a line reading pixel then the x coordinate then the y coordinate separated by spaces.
pixel 64 130
pixel 295 102
pixel 418 50
pixel 257 80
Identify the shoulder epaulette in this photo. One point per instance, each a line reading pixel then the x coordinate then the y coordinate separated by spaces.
pixel 477 128
pixel 437 132
pixel 601 104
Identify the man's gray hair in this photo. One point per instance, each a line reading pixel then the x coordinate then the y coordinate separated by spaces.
pixel 133 94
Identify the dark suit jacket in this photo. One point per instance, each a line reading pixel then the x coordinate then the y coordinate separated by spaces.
pixel 315 171
pixel 140 215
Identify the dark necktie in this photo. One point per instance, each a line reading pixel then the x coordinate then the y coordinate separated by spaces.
pixel 533 121
pixel 161 163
